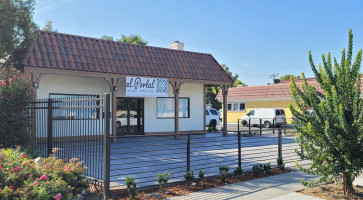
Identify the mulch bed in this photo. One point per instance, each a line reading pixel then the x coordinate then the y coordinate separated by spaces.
pixel 182 189
pixel 332 192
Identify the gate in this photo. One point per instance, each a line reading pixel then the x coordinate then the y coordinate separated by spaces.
pixel 75 127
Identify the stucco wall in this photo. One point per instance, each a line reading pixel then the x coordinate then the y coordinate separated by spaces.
pixel 195 122
pixel 98 86
pixel 233 116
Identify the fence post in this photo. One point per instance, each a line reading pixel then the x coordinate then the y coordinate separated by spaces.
pixel 285 126
pixel 239 150
pixel 280 143
pixel 249 127
pixel 260 127
pixel 273 126
pixel 106 146
pixel 188 152
pixel 50 127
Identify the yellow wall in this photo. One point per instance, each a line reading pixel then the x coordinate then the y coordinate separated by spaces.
pixel 233 116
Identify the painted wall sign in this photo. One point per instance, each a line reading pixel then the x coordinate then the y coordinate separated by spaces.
pixel 146 87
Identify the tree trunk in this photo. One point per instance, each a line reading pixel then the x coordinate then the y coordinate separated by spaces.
pixel 344 183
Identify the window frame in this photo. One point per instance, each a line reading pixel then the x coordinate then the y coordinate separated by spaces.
pixel 156 113
pixel 75 95
pixel 244 110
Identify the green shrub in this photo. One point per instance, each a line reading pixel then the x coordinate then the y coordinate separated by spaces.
pixel 189 177
pixel 24 178
pixel 201 176
pixel 15 98
pixel 131 186
pixel 163 180
pixel 256 169
pixel 238 172
pixel 267 168
pixel 223 173
pixel 280 163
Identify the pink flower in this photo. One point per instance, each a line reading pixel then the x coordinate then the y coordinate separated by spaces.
pixel 12 187
pixel 17 169
pixel 35 183
pixel 43 177
pixel 1 167
pixel 23 156
pixel 58 196
pixel 30 175
pixel 68 169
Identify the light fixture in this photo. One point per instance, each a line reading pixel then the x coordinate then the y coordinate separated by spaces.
pixel 35 84
pixel 178 91
pixel 226 92
pixel 115 88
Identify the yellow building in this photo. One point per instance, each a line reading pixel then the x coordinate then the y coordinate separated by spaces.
pixel 241 100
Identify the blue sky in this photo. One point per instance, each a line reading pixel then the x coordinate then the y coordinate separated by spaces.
pixel 253 38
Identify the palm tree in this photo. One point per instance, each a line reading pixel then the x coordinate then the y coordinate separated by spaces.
pixel 133 39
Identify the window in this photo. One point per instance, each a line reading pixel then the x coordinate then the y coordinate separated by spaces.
pixel 235 107
pixel 206 112
pixel 282 112
pixel 229 107
pixel 252 112
pixel 213 112
pixel 62 112
pixel 242 107
pixel 165 107
pixel 277 112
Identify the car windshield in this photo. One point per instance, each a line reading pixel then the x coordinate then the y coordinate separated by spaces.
pixel 214 112
pixel 252 112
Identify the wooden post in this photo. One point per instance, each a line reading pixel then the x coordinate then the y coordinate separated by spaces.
pixel 225 107
pixel 176 91
pixel 113 82
pixel 35 78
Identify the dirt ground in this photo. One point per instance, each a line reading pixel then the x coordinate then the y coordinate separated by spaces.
pixel 333 192
pixel 182 189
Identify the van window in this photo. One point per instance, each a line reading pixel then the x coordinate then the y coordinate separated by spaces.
pixel 252 112
pixel 213 112
pixel 277 112
pixel 282 112
pixel 206 112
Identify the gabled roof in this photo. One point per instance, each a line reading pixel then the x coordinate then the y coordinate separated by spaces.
pixel 52 50
pixel 280 90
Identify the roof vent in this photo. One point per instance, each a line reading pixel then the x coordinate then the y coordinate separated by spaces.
pixel 176 45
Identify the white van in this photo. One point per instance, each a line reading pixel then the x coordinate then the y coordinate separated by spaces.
pixel 267 116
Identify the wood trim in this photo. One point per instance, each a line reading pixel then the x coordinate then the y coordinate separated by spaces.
pixel 108 75
pixel 204 106
pixel 225 106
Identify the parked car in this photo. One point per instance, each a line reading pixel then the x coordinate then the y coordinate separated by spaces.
pixel 220 111
pixel 212 117
pixel 266 116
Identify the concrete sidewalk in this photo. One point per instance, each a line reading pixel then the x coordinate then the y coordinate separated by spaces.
pixel 277 187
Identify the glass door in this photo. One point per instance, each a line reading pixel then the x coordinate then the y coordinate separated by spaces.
pixel 130 116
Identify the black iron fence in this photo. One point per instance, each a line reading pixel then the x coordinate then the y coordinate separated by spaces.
pixel 73 127
pixel 77 127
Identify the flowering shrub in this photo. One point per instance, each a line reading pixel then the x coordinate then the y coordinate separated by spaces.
pixel 48 178
pixel 15 97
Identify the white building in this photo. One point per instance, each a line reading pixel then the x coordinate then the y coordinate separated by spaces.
pixel 63 65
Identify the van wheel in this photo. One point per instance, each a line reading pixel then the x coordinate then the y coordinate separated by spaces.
pixel 267 124
pixel 244 123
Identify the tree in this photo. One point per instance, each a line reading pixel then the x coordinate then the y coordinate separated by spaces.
pixel 332 137
pixel 107 37
pixel 17 29
pixel 288 77
pixel 133 39
pixel 212 92
pixel 49 26
pixel 15 98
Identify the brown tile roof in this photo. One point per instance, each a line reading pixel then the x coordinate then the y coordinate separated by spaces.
pixel 281 90
pixel 53 50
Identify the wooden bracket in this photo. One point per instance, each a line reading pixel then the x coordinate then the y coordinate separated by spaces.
pixel 176 86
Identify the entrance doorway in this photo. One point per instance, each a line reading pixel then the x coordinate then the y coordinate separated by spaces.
pixel 130 116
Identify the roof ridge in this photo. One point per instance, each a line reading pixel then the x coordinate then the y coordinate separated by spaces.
pixel 93 38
